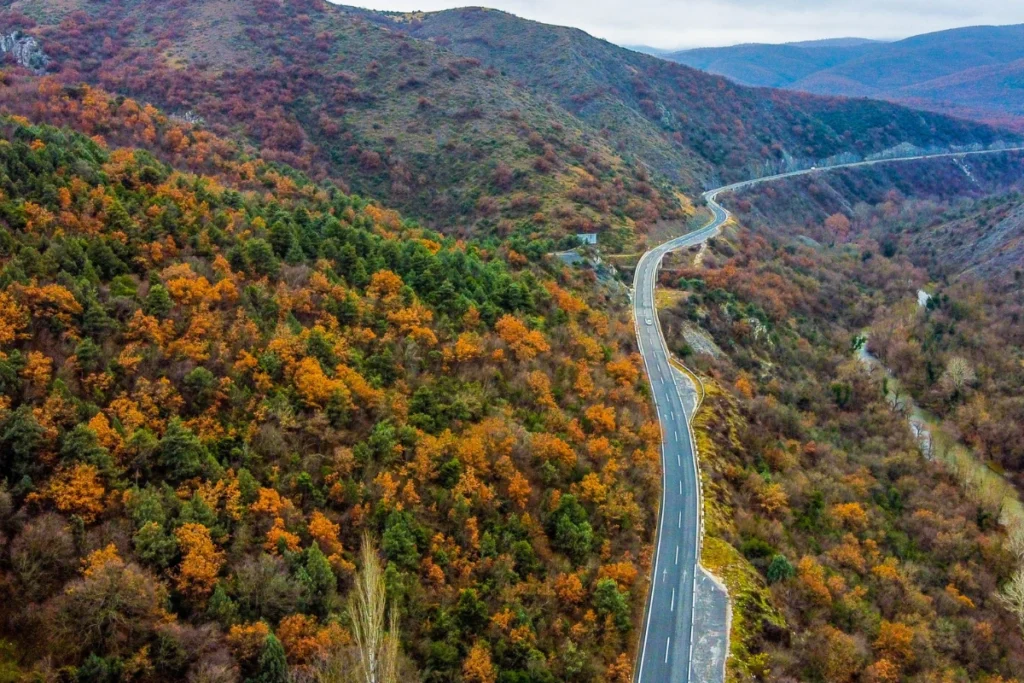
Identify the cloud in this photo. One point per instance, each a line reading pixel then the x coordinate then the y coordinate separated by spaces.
pixel 697 23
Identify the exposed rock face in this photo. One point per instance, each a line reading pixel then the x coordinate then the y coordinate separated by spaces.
pixel 25 50
pixel 189 117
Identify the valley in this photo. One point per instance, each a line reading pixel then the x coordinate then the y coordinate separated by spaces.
pixel 662 625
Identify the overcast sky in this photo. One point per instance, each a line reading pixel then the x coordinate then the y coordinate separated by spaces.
pixel 701 23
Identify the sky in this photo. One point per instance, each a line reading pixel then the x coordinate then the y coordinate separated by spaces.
pixel 678 24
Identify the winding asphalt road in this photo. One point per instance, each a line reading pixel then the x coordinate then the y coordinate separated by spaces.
pixel 667 640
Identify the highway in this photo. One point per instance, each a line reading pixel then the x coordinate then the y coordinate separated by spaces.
pixel 667 638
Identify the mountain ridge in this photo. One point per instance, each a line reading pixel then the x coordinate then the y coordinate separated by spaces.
pixel 898 71
pixel 604 80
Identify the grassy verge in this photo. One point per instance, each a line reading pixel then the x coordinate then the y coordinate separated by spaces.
pixel 715 431
pixel 666 298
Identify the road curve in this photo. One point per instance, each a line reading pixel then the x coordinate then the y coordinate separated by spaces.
pixel 667 638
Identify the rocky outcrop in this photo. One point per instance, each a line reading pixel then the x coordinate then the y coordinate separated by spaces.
pixel 25 50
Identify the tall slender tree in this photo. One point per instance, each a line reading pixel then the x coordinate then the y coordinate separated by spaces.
pixel 377 647
pixel 374 659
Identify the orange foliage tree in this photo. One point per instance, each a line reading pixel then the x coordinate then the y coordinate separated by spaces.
pixel 525 343
pixel 78 490
pixel 200 561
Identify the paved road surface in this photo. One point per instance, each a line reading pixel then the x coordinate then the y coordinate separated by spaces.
pixel 667 639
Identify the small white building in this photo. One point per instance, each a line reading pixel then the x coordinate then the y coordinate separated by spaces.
pixel 587 237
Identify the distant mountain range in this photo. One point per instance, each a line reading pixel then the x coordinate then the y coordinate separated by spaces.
pixel 975 72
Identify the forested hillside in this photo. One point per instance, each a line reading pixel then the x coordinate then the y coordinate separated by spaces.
pixel 440 115
pixel 952 216
pixel 284 341
pixel 435 134
pixel 960 356
pixel 213 381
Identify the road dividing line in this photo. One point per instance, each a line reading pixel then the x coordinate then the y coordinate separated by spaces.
pixel 672 607
pixel 667 644
pixel 680 525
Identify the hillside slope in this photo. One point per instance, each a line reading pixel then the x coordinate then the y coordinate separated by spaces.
pixel 403 120
pixel 212 385
pixel 836 536
pixel 954 216
pixel 765 65
pixel 976 72
pixel 670 116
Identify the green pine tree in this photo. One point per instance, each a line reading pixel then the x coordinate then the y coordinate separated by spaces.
pixel 158 302
pixel 319 582
pixel 272 667
pixel 221 608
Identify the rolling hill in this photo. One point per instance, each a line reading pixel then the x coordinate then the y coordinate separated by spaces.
pixel 976 72
pixel 406 121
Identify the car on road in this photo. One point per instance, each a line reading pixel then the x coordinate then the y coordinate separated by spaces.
pixel 650 322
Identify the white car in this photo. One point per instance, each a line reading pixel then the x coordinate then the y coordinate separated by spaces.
pixel 649 322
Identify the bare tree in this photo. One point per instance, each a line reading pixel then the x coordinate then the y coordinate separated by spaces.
pixel 375 658
pixel 1015 543
pixel 1012 596
pixel 378 649
pixel 958 375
